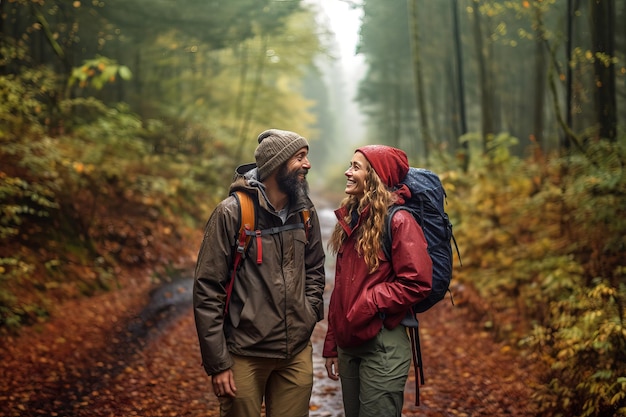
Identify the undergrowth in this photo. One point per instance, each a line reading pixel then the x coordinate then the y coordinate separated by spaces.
pixel 90 191
pixel 543 243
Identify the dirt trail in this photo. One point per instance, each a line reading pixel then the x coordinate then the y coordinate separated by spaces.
pixel 86 362
pixel 466 372
pixel 125 353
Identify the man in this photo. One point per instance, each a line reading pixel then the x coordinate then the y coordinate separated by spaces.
pixel 260 349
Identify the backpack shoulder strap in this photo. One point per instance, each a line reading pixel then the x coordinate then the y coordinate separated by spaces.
pixel 387 232
pixel 247 218
pixel 247 222
pixel 306 219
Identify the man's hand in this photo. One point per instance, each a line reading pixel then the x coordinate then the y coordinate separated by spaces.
pixel 332 368
pixel 224 384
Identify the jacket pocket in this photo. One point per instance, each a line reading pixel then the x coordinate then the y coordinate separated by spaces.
pixel 362 320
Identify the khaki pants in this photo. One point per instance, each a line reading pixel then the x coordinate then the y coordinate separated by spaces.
pixel 285 384
pixel 374 374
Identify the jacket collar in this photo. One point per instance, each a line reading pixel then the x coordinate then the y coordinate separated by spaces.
pixel 341 214
pixel 249 183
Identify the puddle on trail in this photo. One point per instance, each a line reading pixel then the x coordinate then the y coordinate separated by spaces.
pixel 326 399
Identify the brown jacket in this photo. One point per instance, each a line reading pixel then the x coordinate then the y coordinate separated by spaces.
pixel 274 306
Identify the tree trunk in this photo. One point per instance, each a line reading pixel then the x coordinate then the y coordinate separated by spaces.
pixel 485 85
pixel 603 38
pixel 417 74
pixel 539 93
pixel 460 84
pixel 565 142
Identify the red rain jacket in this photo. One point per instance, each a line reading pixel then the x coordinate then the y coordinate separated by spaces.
pixel 361 303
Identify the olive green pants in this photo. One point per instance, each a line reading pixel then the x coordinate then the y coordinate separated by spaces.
pixel 285 384
pixel 373 375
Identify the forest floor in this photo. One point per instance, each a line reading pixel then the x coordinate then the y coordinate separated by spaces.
pixel 134 352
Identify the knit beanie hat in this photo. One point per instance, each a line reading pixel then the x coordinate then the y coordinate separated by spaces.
pixel 275 148
pixel 391 164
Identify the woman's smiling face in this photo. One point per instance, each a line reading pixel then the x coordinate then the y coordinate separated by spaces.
pixel 356 174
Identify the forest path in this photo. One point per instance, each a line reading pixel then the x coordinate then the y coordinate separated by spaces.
pixel 92 360
pixel 134 352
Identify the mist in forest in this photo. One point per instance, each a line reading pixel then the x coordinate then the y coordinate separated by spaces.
pixel 346 70
pixel 121 124
pixel 342 70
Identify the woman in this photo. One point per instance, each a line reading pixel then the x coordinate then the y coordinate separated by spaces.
pixel 365 344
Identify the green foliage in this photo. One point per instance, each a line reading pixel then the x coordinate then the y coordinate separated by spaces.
pixel 75 206
pixel 545 244
pixel 22 199
pixel 97 72
pixel 13 310
pixel 24 195
pixel 586 342
pixel 584 322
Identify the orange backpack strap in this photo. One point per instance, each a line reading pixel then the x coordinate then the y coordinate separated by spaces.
pixel 246 222
pixel 306 219
pixel 248 226
pixel 246 218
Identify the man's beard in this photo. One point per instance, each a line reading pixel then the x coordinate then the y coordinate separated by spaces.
pixel 289 182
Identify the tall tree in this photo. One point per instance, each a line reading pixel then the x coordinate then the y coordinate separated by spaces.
pixel 539 89
pixel 569 77
pixel 417 74
pixel 486 92
pixel 603 44
pixel 460 84
pixel 386 93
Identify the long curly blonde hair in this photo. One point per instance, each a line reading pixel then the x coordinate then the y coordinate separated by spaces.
pixel 370 233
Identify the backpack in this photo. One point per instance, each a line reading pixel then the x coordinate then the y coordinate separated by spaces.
pixel 248 229
pixel 427 207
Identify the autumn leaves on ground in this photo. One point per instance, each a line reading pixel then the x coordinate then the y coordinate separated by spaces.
pixel 131 352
